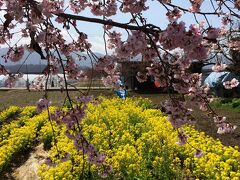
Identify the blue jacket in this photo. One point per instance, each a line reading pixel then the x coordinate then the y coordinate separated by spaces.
pixel 122 93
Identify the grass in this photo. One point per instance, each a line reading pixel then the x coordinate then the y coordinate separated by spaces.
pixel 227 103
pixel 24 98
pixel 224 107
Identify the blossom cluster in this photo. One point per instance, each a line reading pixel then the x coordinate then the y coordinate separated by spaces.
pixel 231 84
pixel 11 79
pixel 108 65
pixel 173 15
pixel 191 41
pixel 177 112
pixel 219 67
pixel 14 54
pixel 196 4
pixel 72 119
pixel 134 45
pixel 156 70
pixel 72 70
pixel 3 71
pixel 98 8
pixel 42 104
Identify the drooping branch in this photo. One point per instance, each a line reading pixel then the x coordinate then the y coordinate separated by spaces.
pixel 203 13
pixel 148 28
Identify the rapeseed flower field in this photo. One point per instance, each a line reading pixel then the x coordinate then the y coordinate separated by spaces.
pixel 137 141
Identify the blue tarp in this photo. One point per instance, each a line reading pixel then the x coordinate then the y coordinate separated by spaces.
pixel 215 81
pixel 217 78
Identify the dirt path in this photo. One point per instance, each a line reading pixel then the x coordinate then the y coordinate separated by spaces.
pixel 28 170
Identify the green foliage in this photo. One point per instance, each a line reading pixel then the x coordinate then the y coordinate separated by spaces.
pixel 227 103
pixel 236 103
pixel 47 141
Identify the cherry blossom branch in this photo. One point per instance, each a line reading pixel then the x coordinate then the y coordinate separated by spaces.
pixel 148 28
pixel 90 84
pixel 53 131
pixel 23 62
pixel 64 76
pixel 202 13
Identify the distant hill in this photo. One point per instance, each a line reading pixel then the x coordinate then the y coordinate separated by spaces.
pixel 34 58
pixel 26 68
pixel 34 63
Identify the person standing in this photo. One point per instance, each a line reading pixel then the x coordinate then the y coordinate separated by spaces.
pixel 122 92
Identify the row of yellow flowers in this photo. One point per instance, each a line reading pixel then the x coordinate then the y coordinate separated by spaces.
pixel 8 113
pixel 218 162
pixel 21 138
pixel 139 143
pixel 25 114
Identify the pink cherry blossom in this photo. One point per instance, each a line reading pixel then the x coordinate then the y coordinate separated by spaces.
pixel 218 67
pixel 111 80
pixel 48 8
pixel 78 6
pixel 213 33
pixel 235 45
pixel 104 62
pixel 15 54
pixel 219 120
pixel 42 104
pixel 225 128
pixel 237 4
pixel 10 81
pixel 178 114
pixel 191 41
pixel 133 6
pixel 231 84
pixel 3 71
pixel 141 77
pixel 174 15
pixel 196 4
pixel 109 9
pixel 198 153
pixel 182 138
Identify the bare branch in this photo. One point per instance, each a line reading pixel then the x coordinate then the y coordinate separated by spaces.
pixel 146 28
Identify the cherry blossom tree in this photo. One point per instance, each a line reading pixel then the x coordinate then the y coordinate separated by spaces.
pixel 170 49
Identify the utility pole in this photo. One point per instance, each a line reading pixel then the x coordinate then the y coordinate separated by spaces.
pixel 27 83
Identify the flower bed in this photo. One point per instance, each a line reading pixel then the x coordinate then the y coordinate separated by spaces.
pixel 9 113
pixel 22 137
pixel 139 143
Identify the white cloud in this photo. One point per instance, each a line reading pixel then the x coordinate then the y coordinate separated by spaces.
pixel 67 37
pixel 98 44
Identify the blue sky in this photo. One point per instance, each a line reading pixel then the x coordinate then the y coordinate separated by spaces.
pixel 155 15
